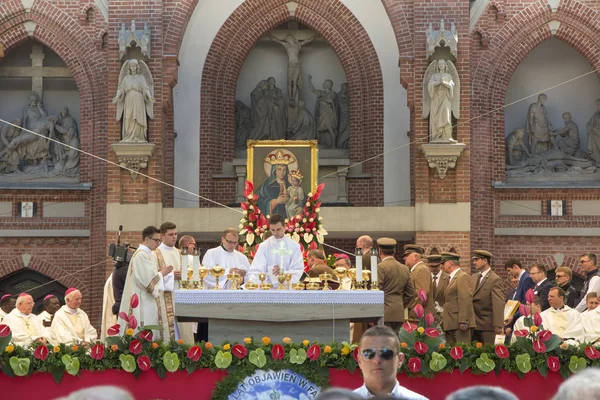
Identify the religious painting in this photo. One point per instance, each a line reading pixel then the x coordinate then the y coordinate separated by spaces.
pixel 283 173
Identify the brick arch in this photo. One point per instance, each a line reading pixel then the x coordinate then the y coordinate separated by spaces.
pixel 43 267
pixel 571 261
pixel 352 44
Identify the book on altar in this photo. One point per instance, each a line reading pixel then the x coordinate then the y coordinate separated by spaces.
pixel 511 308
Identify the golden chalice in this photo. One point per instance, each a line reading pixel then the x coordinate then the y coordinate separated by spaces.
pixel 266 286
pixel 340 272
pixel 325 278
pixel 251 286
pixel 366 277
pixel 281 280
pixel 352 275
pixel 202 272
pixel 240 280
pixel 217 271
pixel 233 278
pixel 313 285
pixel 288 278
pixel 262 276
pixel 298 285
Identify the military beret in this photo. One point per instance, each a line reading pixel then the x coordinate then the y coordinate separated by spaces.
pixel 413 248
pixel 450 257
pixel 482 254
pixel 386 242
pixel 434 259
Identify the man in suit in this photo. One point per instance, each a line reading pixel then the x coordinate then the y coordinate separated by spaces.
pixel 516 270
pixel 563 276
pixel 542 284
pixel 488 302
pixel 316 262
pixel 365 243
pixel 458 316
pixel 394 280
pixel 439 282
pixel 420 277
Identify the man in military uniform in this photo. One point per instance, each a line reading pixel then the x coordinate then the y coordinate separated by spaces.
pixel 394 280
pixel 439 282
pixel 488 302
pixel 458 316
pixel 420 277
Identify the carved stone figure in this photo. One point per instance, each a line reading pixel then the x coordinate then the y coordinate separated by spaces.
pixel 326 113
pixel 343 139
pixel 9 160
pixel 294 73
pixel 260 112
pixel 539 127
pixel 549 163
pixel 304 128
pixel 570 143
pixel 593 133
pixel 135 100
pixel 68 162
pixel 516 150
pixel 441 99
pixel 277 111
pixel 269 111
pixel 243 124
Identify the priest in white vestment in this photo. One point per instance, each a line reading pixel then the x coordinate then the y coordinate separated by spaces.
pixel 71 325
pixel 26 327
pixel 278 254
pixel 51 306
pixel 227 257
pixel 7 304
pixel 168 255
pixel 562 320
pixel 145 280
pixel 108 300
pixel 591 325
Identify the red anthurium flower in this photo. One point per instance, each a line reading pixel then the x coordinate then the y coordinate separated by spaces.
pixel 244 206
pixel 355 354
pixel 313 245
pixel 144 363
pixel 146 335
pixel 277 352
pixel 456 353
pixel 114 330
pixel 132 322
pixel 429 319
pixel 313 352
pixel 529 295
pixel 41 353
pixel 423 295
pixel 97 352
pixel 432 332
pixel 421 348
pixel 539 346
pixel 135 347
pixel 248 188
pixel 524 310
pixel 239 351
pixel 419 311
pixel 194 353
pixel 408 327
pixel 123 315
pixel 521 333
pixel 135 301
pixel 414 364
pixel 553 363
pixel 592 353
pixel 545 335
pixel 502 351
pixel 537 319
pixel 4 330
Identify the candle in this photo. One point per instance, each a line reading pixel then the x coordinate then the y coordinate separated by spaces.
pixel 184 266
pixel 358 265
pixel 196 267
pixel 374 265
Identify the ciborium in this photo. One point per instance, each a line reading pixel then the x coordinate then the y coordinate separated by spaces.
pixel 366 277
pixel 352 275
pixel 313 285
pixel 233 278
pixel 298 285
pixel 325 279
pixel 202 272
pixel 217 271
pixel 251 286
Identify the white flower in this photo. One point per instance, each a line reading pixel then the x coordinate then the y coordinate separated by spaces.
pixel 301 229
pixel 250 224
pixel 311 220
pixel 308 204
pixel 243 231
pixel 245 212
pixel 250 197
pixel 243 220
pixel 297 225
pixel 296 237
pixel 320 218
pixel 241 226
pixel 317 210
pixel 303 219
pixel 251 207
pixel 310 194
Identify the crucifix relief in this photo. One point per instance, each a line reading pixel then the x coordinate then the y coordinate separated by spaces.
pixel 37 72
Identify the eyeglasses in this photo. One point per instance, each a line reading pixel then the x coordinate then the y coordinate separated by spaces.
pixel 385 354
pixel 230 241
pixel 156 240
pixel 560 276
pixel 584 261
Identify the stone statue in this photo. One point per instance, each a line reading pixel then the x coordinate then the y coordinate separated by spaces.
pixel 570 143
pixel 33 113
pixel 269 111
pixel 516 150
pixel 441 99
pixel 67 162
pixel 135 100
pixel 243 124
pixel 304 128
pixel 593 133
pixel 326 113
pixel 549 163
pixel 343 139
pixel 9 160
pixel 539 127
pixel 294 73
pixel 277 111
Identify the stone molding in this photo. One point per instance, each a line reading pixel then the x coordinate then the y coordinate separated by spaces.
pixel 133 156
pixel 442 156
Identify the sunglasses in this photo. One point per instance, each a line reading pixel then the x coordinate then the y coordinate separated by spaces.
pixel 385 354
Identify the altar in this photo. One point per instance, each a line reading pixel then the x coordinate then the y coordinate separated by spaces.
pixel 322 316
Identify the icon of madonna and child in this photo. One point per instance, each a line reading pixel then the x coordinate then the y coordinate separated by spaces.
pixel 282 192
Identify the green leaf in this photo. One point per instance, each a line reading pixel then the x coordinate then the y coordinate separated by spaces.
pixel 553 343
pixel 297 356
pixel 20 366
pixel 223 360
pixel 71 364
pixel 484 363
pixel 5 341
pixel 437 362
pixel 190 368
pixel 171 361
pixel 576 364
pixel 161 371
pixel 463 365
pixel 128 362
pixel 543 368
pixel 258 358
pixel 57 373
pixel 409 338
pixel 153 327
pixel 523 362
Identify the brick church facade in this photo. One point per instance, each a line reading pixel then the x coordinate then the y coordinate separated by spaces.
pixel 469 209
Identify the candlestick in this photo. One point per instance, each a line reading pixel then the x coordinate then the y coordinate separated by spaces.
pixel 195 266
pixel 359 268
pixel 184 266
pixel 373 269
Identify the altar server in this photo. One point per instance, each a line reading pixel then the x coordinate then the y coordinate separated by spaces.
pixel 227 257
pixel 560 319
pixel 108 300
pixel 591 325
pixel 26 327
pixel 71 324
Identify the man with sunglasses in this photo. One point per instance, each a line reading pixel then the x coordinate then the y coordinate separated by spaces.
pixel 563 276
pixel 588 263
pixel 379 358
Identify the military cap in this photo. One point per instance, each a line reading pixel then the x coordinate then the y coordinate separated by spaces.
pixel 386 243
pixel 413 248
pixel 434 259
pixel 446 256
pixel 482 254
